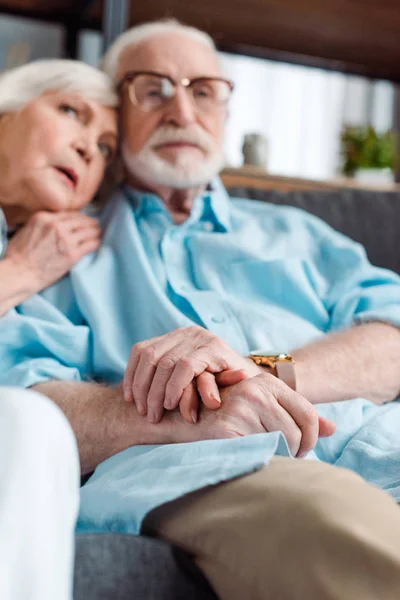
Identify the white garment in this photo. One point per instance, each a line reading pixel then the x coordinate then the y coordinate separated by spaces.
pixel 39 492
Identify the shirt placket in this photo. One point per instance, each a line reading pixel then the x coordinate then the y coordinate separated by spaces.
pixel 212 311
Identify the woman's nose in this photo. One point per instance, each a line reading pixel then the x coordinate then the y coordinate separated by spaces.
pixel 84 150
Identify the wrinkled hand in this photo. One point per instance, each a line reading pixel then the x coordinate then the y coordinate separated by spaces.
pixel 191 397
pixel 49 244
pixel 264 404
pixel 160 370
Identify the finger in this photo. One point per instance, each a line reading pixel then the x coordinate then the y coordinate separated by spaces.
pixel 276 418
pixel 230 377
pixel 175 349
pixel 189 404
pixel 127 381
pixel 208 390
pixel 155 348
pixel 162 375
pixel 304 415
pixel 155 368
pixel 326 427
pixel 87 247
pixel 191 366
pixel 154 371
pixel 81 236
pixel 136 351
pixel 73 218
pixel 141 383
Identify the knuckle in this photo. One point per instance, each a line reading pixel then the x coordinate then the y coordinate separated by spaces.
pixel 139 347
pixel 310 415
pixel 167 363
pixel 149 354
pixel 255 392
pixel 185 363
pixel 194 330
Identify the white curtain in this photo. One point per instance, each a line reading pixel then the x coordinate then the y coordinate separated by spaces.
pixel 301 112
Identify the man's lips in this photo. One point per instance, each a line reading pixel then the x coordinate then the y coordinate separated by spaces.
pixel 177 145
pixel 69 175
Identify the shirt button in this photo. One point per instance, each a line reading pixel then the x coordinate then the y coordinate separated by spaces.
pixel 208 226
pixel 218 319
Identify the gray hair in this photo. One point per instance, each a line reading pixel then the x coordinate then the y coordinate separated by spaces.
pixel 138 34
pixel 23 84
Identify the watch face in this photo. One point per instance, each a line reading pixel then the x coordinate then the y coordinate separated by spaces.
pixel 271 353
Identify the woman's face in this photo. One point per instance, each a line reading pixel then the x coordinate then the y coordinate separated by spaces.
pixel 54 151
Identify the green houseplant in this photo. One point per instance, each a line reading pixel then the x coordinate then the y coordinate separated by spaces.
pixel 365 148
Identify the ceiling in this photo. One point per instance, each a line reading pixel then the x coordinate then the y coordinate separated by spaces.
pixel 357 36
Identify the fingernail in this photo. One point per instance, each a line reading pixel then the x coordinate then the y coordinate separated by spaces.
pixel 193 414
pixel 167 404
pixel 216 398
pixel 127 395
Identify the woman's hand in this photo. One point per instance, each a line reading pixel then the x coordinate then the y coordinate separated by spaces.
pixel 50 244
pixel 161 370
pixel 200 391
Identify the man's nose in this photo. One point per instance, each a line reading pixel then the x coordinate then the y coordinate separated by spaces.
pixel 181 110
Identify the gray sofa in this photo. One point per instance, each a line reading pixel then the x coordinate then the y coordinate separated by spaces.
pixel 122 567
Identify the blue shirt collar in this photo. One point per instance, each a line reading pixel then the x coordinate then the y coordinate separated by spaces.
pixel 213 205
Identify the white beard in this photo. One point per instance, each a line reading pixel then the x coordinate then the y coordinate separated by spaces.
pixel 147 166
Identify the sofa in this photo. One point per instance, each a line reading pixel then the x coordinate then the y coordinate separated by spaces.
pixel 124 567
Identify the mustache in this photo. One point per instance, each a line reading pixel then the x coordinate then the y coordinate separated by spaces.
pixel 192 135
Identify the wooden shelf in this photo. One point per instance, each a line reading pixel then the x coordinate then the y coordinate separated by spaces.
pixel 256 177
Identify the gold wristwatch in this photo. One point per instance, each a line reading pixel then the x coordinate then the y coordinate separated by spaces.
pixel 281 364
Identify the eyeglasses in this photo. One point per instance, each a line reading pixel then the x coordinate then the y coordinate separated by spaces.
pixel 152 91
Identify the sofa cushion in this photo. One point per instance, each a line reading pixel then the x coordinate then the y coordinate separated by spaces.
pixel 369 217
pixel 111 566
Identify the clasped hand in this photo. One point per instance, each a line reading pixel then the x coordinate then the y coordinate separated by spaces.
pixel 186 366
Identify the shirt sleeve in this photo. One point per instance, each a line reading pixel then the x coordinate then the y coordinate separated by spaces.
pixel 39 343
pixel 353 290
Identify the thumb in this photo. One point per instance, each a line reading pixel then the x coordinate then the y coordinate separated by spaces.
pixel 326 427
pixel 230 377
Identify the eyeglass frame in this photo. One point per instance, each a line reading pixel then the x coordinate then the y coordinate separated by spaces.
pixel 185 82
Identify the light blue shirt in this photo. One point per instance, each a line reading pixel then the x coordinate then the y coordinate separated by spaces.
pixel 257 275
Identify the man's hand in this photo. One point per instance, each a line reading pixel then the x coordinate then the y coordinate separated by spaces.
pixel 161 369
pixel 264 403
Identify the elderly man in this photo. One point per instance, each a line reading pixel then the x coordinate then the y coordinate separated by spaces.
pixel 195 282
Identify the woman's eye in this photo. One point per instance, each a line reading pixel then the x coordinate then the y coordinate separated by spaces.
pixel 69 110
pixel 107 151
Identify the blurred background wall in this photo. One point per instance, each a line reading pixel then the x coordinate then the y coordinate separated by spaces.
pixel 300 110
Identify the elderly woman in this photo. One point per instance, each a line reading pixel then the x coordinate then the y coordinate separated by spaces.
pixel 58 132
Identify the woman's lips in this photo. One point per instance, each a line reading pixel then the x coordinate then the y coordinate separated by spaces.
pixel 68 175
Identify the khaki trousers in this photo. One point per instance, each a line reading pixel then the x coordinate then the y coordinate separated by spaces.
pixel 294 530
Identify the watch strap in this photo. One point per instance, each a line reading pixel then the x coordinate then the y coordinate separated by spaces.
pixel 286 372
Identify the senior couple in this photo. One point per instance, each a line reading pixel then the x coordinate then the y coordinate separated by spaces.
pixel 145 345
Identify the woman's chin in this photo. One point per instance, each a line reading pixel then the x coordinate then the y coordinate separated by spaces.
pixel 53 197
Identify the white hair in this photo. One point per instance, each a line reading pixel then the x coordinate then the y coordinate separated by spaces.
pixel 23 84
pixel 136 35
